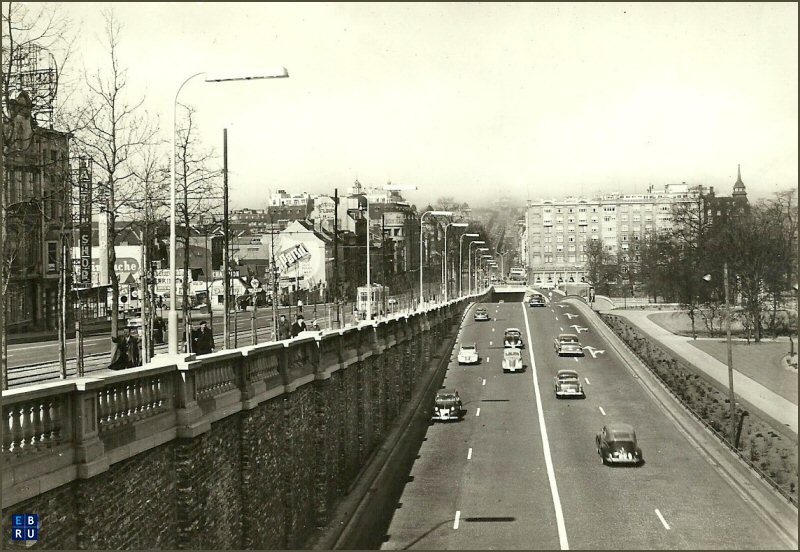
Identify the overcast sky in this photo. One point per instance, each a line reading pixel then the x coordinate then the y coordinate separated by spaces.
pixel 474 100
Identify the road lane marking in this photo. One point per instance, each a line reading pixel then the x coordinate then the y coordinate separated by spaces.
pixel 587 381
pixel 487 359
pixel 484 381
pixel 495 321
pixel 576 359
pixel 458 516
pixel 556 318
pixel 663 521
pixel 469 454
pixel 478 412
pixel 490 344
pixel 561 328
pixel 548 460
pixel 603 412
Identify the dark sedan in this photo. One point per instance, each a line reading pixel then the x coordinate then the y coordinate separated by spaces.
pixel 616 444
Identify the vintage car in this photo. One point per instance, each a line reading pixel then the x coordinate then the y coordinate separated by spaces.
pixel 616 444
pixel 568 384
pixel 512 360
pixel 537 300
pixel 568 344
pixel 468 354
pixel 513 338
pixel 447 406
pixel 481 314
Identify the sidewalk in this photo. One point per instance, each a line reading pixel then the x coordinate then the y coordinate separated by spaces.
pixel 772 404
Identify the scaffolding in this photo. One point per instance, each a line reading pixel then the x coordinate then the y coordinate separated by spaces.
pixel 33 70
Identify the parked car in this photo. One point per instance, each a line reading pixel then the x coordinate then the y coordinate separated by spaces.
pixel 513 338
pixel 468 354
pixel 568 384
pixel 616 444
pixel 481 314
pixel 512 360
pixel 537 300
pixel 568 344
pixel 447 406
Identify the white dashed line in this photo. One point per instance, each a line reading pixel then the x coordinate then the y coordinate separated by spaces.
pixel 663 521
pixel 469 454
pixel 490 344
pixel 487 359
pixel 603 412
pixel 458 516
pixel 587 381
pixel 576 359
pixel 556 318
pixel 477 412
pixel 484 382
pixel 561 328
pixel 548 460
pixel 495 321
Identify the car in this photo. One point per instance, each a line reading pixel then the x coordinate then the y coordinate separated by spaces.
pixel 537 300
pixel 513 338
pixel 481 314
pixel 447 406
pixel 616 444
pixel 512 360
pixel 568 344
pixel 568 384
pixel 468 354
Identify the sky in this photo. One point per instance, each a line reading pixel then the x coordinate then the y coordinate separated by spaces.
pixel 472 100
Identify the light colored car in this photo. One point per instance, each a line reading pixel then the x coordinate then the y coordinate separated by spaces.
pixel 568 384
pixel 513 338
pixel 468 354
pixel 447 406
pixel 512 360
pixel 568 344
pixel 537 300
pixel 481 314
pixel 616 444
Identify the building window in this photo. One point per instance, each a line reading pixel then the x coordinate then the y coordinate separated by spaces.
pixel 52 257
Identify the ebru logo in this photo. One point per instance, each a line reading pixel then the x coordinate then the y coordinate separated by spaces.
pixel 25 527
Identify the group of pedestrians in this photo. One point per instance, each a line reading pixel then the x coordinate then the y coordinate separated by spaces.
pixel 287 331
pixel 125 352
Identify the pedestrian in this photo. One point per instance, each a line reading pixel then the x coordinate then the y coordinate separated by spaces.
pixel 203 339
pixel 300 306
pixel 315 326
pixel 284 328
pixel 119 355
pixel 356 317
pixel 158 330
pixel 132 349
pixel 298 326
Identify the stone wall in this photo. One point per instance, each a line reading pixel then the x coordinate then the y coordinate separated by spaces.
pixel 245 449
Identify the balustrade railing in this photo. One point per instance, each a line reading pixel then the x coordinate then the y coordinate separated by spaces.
pixel 33 424
pixel 132 400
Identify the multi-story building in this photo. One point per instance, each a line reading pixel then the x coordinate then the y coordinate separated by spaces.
pixel 39 219
pixel 558 229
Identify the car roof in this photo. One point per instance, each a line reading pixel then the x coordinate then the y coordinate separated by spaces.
pixel 567 373
pixel 621 430
pixel 512 330
pixel 560 336
pixel 473 345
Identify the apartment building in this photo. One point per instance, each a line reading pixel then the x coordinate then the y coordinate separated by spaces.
pixel 557 230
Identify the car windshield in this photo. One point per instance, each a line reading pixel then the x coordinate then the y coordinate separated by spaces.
pixel 512 334
pixel 567 377
pixel 511 353
pixel 468 347
pixel 618 445
pixel 448 397
pixel 568 339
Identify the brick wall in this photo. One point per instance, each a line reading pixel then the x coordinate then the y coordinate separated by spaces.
pixel 265 477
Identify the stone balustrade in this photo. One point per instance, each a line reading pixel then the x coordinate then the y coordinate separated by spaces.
pixel 262 413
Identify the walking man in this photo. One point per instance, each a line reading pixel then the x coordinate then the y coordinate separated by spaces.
pixel 284 328
pixel 298 326
pixel 203 339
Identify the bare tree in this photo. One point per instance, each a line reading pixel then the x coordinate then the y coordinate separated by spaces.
pixel 199 187
pixel 112 129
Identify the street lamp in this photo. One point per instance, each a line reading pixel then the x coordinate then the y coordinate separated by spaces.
pixel 469 261
pixel 482 266
pixel 172 317
pixel 421 219
pixel 477 265
pixel 444 257
pixel 460 259
pixel 731 396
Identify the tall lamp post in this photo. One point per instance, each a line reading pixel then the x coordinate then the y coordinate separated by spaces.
pixel 731 395
pixel 477 265
pixel 469 262
pixel 421 221
pixel 172 317
pixel 461 261
pixel 483 267
pixel 444 257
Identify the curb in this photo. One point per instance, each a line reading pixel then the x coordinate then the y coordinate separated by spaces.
pixel 774 509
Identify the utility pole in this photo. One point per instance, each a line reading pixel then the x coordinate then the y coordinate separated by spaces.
pixel 273 277
pixel 225 241
pixel 336 255
pixel 732 397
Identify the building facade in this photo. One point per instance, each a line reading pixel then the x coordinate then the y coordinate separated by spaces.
pixel 39 219
pixel 557 230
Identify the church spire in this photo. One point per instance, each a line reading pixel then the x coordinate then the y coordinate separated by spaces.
pixel 738 187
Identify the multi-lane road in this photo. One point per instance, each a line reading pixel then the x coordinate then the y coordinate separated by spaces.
pixel 520 471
